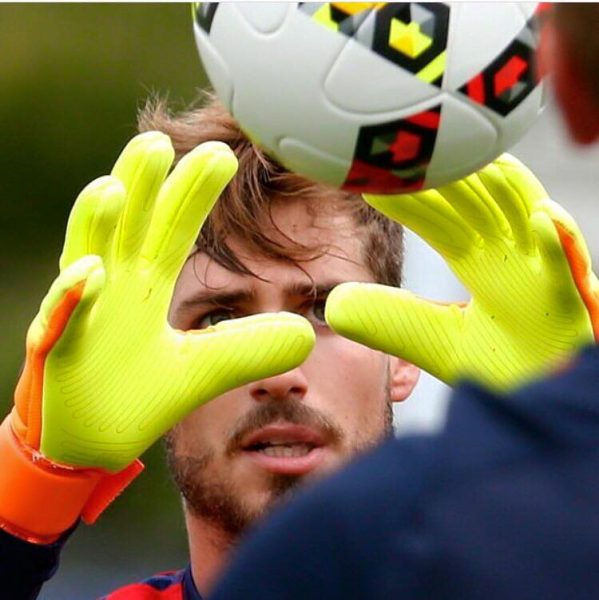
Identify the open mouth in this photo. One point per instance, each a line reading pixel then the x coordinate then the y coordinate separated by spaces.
pixel 282 449
pixel 285 448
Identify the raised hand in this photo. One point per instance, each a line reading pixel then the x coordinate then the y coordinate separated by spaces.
pixel 521 257
pixel 105 374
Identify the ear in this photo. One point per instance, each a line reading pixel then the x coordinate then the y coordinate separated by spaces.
pixel 572 89
pixel 403 376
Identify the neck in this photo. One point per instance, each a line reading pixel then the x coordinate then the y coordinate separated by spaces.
pixel 209 550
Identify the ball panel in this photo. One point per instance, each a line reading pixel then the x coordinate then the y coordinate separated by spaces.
pixel 345 86
pixel 473 47
pixel 466 141
pixel 515 125
pixel 300 157
pixel 410 39
pixel 216 67
pixel 265 17
pixel 279 75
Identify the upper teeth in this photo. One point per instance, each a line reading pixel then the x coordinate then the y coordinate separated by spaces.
pixel 286 450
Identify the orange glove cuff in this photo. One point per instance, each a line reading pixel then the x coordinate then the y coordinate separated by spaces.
pixel 39 499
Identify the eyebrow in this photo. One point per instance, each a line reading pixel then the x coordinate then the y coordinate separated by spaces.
pixel 241 295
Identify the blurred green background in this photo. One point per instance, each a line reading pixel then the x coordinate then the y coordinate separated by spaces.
pixel 72 77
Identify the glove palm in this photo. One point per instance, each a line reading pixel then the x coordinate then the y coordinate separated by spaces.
pixel 504 240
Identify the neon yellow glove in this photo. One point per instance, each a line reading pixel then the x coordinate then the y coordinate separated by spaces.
pixel 521 257
pixel 105 374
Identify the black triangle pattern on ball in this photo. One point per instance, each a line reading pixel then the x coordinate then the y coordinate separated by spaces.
pixel 411 35
pixel 432 21
pixel 395 154
pixel 511 76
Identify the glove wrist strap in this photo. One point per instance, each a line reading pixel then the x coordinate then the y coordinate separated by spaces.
pixel 39 499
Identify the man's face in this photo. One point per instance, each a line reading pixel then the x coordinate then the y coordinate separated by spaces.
pixel 237 454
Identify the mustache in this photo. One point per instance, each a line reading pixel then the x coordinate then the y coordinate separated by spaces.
pixel 290 411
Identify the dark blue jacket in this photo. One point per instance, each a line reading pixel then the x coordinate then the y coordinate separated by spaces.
pixel 502 504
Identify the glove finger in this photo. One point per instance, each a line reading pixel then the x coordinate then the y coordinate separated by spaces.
pixel 517 191
pixel 93 220
pixel 554 261
pixel 471 199
pixel 578 257
pixel 63 313
pixel 87 274
pixel 142 167
pixel 397 322
pixel 430 216
pixel 513 203
pixel 184 202
pixel 234 353
pixel 522 178
pixel 570 229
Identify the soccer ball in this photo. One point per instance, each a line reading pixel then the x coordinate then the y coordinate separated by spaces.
pixel 375 97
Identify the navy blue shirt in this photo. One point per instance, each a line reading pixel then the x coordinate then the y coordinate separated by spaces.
pixel 503 503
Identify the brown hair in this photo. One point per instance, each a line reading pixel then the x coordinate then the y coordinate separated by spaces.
pixel 579 23
pixel 244 208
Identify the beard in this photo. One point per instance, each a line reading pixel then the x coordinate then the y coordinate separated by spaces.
pixel 219 500
pixel 214 497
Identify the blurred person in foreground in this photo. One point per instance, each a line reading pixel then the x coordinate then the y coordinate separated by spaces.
pixel 502 503
pixel 143 325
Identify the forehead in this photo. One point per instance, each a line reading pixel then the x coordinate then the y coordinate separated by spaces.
pixel 314 224
pixel 333 235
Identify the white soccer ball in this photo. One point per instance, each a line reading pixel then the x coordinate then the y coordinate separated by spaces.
pixel 375 97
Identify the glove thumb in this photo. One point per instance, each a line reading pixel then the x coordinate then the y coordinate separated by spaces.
pixel 397 322
pixel 239 351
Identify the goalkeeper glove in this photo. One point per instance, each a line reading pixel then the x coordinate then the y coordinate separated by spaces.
pixel 521 257
pixel 105 375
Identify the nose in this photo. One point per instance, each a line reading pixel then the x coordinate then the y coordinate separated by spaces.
pixel 291 385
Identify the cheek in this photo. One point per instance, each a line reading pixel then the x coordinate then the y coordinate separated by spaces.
pixel 206 427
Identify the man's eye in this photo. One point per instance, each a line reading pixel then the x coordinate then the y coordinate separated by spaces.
pixel 213 318
pixel 317 311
